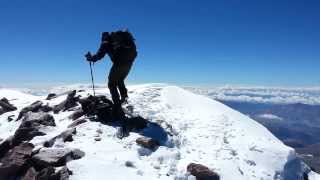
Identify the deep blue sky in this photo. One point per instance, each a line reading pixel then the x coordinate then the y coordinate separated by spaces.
pixel 267 42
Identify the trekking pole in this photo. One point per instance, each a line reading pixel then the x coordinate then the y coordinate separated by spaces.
pixel 92 81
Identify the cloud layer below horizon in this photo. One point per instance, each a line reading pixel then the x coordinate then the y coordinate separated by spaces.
pixel 271 95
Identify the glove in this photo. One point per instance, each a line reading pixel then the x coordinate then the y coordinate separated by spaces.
pixel 89 57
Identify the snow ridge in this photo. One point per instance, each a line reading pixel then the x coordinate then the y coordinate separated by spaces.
pixel 200 130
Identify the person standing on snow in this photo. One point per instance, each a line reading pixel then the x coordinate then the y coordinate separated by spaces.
pixel 122 51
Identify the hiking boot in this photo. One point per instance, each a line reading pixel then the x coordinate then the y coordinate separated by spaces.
pixel 124 100
pixel 117 112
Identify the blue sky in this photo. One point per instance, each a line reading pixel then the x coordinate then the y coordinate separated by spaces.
pixel 268 42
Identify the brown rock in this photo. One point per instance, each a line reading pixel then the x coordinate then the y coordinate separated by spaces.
pixel 31 174
pixel 202 172
pixel 15 160
pixel 147 142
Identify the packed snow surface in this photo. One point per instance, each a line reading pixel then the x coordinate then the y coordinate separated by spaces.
pixel 196 129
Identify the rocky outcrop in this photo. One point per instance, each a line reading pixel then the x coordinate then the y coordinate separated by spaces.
pixel 66 136
pixel 51 173
pixel 98 106
pixel 5 106
pixel 202 172
pixel 70 102
pixel 15 161
pixel 55 157
pixel 29 128
pixel 77 114
pixel 39 118
pixel 34 107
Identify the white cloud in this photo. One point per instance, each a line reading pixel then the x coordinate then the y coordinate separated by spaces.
pixel 275 95
pixel 270 116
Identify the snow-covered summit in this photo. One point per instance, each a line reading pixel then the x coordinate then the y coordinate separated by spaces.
pixel 200 130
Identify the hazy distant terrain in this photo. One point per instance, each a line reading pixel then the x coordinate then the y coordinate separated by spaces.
pixel 293 115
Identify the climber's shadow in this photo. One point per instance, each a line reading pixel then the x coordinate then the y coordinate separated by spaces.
pixel 138 124
pixel 99 108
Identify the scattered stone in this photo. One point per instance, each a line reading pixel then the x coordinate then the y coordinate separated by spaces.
pixel 77 154
pixel 55 157
pixel 99 131
pixel 39 118
pixel 66 136
pixel 51 96
pixel 129 164
pixel 77 122
pixel 15 161
pixel 31 174
pixel 202 172
pixel 147 142
pixel 70 102
pixel 77 114
pixel 10 118
pixel 50 173
pixel 5 106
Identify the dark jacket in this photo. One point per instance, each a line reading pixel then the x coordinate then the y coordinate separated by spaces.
pixel 118 54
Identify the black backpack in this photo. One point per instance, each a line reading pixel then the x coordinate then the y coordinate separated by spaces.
pixel 123 48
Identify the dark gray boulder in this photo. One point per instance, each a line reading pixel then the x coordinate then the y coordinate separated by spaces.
pixel 77 114
pixel 5 106
pixel 66 136
pixel 51 96
pixel 98 106
pixel 55 157
pixel 51 173
pixel 29 128
pixel 70 102
pixel 34 107
pixel 39 118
